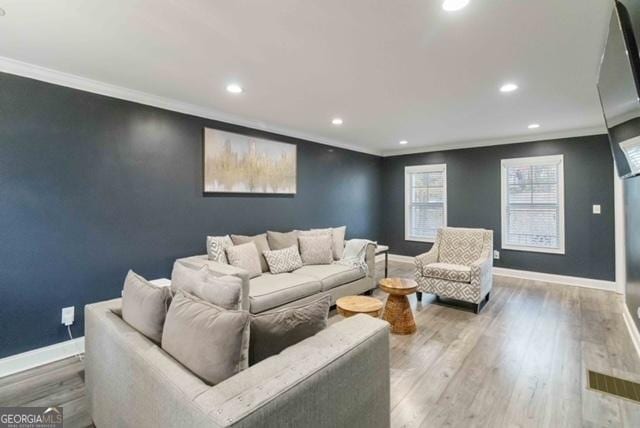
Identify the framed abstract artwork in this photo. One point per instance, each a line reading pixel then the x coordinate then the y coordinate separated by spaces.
pixel 237 163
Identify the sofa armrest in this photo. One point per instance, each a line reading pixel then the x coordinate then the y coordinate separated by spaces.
pixel 220 269
pixel 424 259
pixel 339 377
pixel 370 260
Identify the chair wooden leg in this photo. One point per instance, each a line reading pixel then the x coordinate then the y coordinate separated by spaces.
pixel 477 308
pixel 419 296
pixel 437 298
pixel 488 294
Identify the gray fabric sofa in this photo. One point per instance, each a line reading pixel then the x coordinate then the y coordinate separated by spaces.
pixel 269 291
pixel 337 378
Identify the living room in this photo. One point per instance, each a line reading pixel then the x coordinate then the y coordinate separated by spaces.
pixel 419 213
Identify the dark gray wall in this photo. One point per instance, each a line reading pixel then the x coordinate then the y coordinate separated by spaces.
pixel 632 242
pixel 473 187
pixel 91 186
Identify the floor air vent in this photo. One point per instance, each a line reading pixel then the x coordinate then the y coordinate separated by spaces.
pixel 614 386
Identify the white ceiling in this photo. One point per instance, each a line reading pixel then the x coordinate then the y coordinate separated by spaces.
pixel 393 70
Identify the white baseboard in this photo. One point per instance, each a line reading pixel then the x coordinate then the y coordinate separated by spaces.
pixel 524 274
pixel 631 326
pixel 38 357
pixel 556 279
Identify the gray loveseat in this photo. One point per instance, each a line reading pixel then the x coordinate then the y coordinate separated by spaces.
pixel 269 291
pixel 337 378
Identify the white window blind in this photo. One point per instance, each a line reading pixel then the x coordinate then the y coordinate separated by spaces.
pixel 425 201
pixel 533 204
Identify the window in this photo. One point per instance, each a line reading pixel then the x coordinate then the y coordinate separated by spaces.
pixel 425 201
pixel 533 204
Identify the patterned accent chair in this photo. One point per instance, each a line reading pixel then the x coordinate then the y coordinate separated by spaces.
pixel 458 266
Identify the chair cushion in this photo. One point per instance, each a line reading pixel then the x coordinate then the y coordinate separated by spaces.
pixel 270 291
pixel 331 276
pixel 460 245
pixel 448 271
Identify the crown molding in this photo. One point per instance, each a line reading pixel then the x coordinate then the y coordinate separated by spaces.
pixel 580 132
pixel 32 71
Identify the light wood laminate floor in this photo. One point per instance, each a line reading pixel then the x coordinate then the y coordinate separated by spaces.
pixel 520 363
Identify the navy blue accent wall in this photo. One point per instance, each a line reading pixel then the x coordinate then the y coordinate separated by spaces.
pixel 473 187
pixel 91 186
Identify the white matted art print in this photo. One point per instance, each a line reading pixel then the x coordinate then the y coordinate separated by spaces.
pixel 237 163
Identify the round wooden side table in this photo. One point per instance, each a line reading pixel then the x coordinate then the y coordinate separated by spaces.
pixel 397 311
pixel 352 305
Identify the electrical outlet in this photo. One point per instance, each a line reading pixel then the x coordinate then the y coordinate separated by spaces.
pixel 68 315
pixel 597 209
pixel 496 254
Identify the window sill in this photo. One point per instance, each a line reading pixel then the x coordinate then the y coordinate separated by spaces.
pixel 558 251
pixel 427 240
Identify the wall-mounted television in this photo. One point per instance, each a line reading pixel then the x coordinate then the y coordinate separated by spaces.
pixel 619 87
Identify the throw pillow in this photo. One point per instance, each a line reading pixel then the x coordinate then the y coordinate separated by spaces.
pixel 316 250
pixel 261 244
pixel 145 305
pixel 216 246
pixel 224 291
pixel 285 260
pixel 245 256
pixel 274 331
pixel 338 235
pixel 205 338
pixel 282 240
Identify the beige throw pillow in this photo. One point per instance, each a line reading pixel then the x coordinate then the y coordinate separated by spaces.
pixel 205 338
pixel 261 244
pixel 286 260
pixel 316 250
pixel 337 235
pixel 282 240
pixel 224 291
pixel 145 305
pixel 245 256
pixel 274 331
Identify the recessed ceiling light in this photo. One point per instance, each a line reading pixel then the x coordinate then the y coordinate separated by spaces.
pixel 336 121
pixel 403 142
pixel 508 87
pixel 453 5
pixel 534 126
pixel 234 88
pixel 2 12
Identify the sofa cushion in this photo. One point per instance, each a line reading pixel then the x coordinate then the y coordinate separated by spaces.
pixel 224 291
pixel 448 271
pixel 145 305
pixel 261 244
pixel 270 291
pixel 285 260
pixel 216 246
pixel 245 256
pixel 282 240
pixel 316 250
pixel 276 330
pixel 205 338
pixel 331 276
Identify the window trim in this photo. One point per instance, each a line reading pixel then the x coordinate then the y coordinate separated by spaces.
pixel 534 160
pixel 408 170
